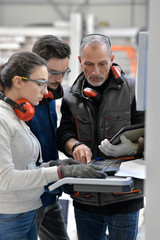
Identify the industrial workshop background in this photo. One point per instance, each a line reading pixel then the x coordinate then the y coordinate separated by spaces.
pixel 22 22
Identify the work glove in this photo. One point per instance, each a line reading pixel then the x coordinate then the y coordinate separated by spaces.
pixel 64 162
pixel 124 148
pixel 81 170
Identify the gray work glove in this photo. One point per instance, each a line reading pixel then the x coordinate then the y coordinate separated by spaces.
pixel 124 148
pixel 64 162
pixel 81 170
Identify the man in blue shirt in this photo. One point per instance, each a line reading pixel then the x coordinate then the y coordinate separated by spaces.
pixel 50 220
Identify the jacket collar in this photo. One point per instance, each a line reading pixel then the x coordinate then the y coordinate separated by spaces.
pixel 77 86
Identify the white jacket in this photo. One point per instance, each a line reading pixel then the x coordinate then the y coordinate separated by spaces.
pixel 21 183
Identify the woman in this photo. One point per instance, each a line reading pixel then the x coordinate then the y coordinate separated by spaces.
pixel 25 76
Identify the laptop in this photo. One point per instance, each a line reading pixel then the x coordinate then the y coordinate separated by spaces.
pixel 110 166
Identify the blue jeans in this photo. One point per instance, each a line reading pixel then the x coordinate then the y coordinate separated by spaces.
pixel 20 226
pixel 93 226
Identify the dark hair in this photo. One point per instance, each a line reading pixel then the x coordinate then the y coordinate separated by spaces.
pixel 21 64
pixel 50 46
pixel 1 83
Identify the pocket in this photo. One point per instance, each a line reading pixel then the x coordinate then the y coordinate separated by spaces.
pixel 83 129
pixel 115 121
pixel 10 217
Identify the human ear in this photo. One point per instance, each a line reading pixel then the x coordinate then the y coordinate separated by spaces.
pixel 112 58
pixel 17 81
pixel 79 58
pixel 80 61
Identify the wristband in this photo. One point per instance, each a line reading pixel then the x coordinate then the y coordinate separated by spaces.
pixel 59 172
pixel 76 144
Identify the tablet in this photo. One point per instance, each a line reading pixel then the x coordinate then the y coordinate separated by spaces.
pixel 132 132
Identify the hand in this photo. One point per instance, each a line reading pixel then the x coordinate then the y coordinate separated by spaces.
pixel 82 153
pixel 125 148
pixel 81 170
pixel 64 162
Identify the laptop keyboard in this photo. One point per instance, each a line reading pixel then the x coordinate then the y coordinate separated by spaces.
pixel 108 166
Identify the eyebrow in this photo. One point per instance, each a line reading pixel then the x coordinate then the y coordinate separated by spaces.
pixel 103 61
pixel 53 70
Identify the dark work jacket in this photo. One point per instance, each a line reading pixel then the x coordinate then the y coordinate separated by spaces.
pixel 80 120
pixel 44 126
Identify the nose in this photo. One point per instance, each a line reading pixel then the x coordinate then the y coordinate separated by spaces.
pixel 45 90
pixel 95 70
pixel 56 78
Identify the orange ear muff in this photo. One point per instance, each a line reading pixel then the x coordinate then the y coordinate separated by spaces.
pixel 23 109
pixel 116 72
pixel 89 92
pixel 28 112
pixel 92 94
pixel 47 98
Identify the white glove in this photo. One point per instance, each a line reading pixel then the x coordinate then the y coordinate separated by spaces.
pixel 124 148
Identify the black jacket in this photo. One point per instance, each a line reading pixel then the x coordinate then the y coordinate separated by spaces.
pixel 86 122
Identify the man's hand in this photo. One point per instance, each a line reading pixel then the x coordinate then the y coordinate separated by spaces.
pixel 82 153
pixel 124 148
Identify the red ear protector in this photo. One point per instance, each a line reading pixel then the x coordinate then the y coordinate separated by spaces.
pixel 53 94
pixel 89 92
pixel 92 94
pixel 117 73
pixel 23 109
pixel 47 98
pixel 27 111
